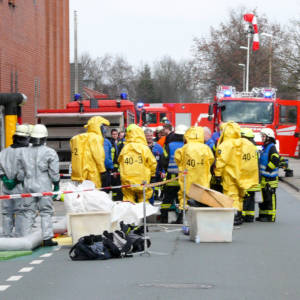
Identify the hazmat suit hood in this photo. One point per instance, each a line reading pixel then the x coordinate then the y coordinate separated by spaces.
pixel 231 130
pixel 194 135
pixel 135 134
pixel 94 124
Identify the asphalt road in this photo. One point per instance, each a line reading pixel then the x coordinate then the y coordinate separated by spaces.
pixel 262 262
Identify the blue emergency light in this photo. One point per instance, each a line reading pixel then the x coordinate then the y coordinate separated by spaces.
pixel 123 96
pixel 140 105
pixel 227 93
pixel 268 94
pixel 77 97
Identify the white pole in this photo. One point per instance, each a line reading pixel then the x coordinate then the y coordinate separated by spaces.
pixel 145 224
pixel 244 77
pixel 184 196
pixel 248 59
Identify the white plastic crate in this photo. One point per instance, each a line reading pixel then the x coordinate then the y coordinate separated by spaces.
pixel 210 224
pixel 81 224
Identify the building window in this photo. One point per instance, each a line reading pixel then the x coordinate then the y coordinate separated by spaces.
pixel 288 114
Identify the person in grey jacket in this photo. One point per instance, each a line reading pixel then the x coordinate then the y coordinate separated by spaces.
pixel 8 174
pixel 39 169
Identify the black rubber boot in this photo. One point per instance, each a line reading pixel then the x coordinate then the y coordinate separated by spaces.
pixel 179 218
pixel 248 219
pixel 49 243
pixel 164 216
pixel 264 219
pixel 238 219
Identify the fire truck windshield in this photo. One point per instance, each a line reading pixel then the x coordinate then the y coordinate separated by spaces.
pixel 249 112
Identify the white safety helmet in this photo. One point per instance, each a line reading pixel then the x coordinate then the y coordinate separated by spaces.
pixel 39 131
pixel 268 132
pixel 22 130
pixel 159 128
pixel 181 129
pixel 30 126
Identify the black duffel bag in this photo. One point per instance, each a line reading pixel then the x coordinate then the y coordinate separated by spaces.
pixel 90 247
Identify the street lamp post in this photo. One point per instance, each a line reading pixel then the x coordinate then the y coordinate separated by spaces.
pixel 249 31
pixel 244 75
pixel 270 56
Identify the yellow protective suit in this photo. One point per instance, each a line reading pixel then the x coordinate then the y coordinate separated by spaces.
pixel 88 152
pixel 236 163
pixel 196 158
pixel 137 164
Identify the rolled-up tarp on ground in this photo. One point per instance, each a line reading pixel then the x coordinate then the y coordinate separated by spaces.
pixel 28 242
pixel 34 239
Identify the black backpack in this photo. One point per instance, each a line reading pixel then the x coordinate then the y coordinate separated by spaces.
pixel 135 236
pixel 117 243
pixel 90 247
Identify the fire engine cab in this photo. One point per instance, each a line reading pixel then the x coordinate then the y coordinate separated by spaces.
pixel 258 109
pixel 189 114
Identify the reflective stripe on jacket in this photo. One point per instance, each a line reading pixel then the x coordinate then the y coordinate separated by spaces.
pixel 173 146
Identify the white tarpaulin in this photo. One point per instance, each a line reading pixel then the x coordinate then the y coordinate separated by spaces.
pixel 101 201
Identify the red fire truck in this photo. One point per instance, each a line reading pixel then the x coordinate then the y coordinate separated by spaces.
pixel 63 124
pixel 258 109
pixel 190 114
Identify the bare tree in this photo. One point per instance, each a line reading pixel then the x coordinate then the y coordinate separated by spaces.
pixel 173 81
pixel 111 74
pixel 217 58
pixel 290 61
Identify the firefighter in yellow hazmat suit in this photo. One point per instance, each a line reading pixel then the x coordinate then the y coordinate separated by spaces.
pixel 88 152
pixel 137 164
pixel 236 165
pixel 196 158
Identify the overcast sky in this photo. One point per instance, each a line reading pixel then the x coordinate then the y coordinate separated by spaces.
pixel 146 30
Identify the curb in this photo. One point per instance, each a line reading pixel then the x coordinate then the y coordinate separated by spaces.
pixel 289 184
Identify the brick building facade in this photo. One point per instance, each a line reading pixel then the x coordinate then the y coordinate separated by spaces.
pixel 34 53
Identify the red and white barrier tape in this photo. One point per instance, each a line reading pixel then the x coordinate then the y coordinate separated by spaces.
pixel 43 194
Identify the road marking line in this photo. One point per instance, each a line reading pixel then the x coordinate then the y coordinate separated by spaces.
pixel 4 287
pixel 46 255
pixel 14 278
pixel 27 269
pixel 56 249
pixel 36 262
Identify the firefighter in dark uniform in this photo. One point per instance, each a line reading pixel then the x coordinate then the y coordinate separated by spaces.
pixel 170 193
pixel 116 148
pixel 268 167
